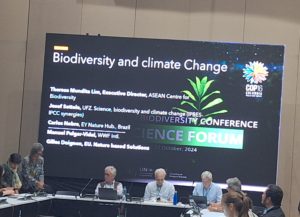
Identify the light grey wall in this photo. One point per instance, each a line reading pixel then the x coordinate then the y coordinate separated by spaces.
pixel 13 36
pixel 254 21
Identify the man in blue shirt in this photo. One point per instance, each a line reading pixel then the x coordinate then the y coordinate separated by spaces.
pixel 207 188
pixel 159 190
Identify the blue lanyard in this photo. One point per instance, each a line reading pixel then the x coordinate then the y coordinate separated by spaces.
pixel 158 189
pixel 205 192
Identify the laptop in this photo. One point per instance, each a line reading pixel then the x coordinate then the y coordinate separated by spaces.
pixel 107 194
pixel 200 201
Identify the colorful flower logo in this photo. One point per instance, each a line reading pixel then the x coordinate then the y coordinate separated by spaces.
pixel 255 72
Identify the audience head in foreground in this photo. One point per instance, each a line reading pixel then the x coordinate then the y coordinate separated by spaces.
pixel 233 185
pixel 235 204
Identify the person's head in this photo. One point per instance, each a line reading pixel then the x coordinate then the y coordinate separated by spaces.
pixel 235 204
pixel 272 196
pixel 234 184
pixel 110 173
pixel 14 160
pixel 206 178
pixel 160 175
pixel 36 151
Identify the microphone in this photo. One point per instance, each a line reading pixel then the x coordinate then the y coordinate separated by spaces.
pixel 91 179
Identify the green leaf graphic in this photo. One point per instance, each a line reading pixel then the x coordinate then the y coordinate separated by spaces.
pixel 215 113
pixel 193 84
pixel 189 103
pixel 213 103
pixel 207 85
pixel 189 94
pixel 208 95
pixel 180 109
pixel 198 84
pixel 203 82
pixel 204 98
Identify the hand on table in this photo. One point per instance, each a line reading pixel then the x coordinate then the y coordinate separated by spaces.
pixel 40 185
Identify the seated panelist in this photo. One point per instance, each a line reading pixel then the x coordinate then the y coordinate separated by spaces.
pixel 11 178
pixel 160 189
pixel 207 188
pixel 5 191
pixel 110 173
pixel 33 170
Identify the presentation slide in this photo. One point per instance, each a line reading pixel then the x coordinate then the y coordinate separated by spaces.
pixel 141 104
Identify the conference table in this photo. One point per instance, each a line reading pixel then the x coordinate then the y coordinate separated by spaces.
pixel 71 206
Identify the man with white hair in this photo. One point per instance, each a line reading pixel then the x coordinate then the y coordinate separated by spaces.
pixel 234 184
pixel 33 170
pixel 207 188
pixel 110 173
pixel 160 189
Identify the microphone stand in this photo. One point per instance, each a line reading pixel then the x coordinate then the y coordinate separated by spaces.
pixel 91 179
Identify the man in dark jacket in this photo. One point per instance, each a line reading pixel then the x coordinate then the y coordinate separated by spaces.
pixel 11 177
pixel 4 191
pixel 271 199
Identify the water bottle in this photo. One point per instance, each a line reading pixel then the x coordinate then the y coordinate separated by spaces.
pixel 175 198
pixel 124 192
